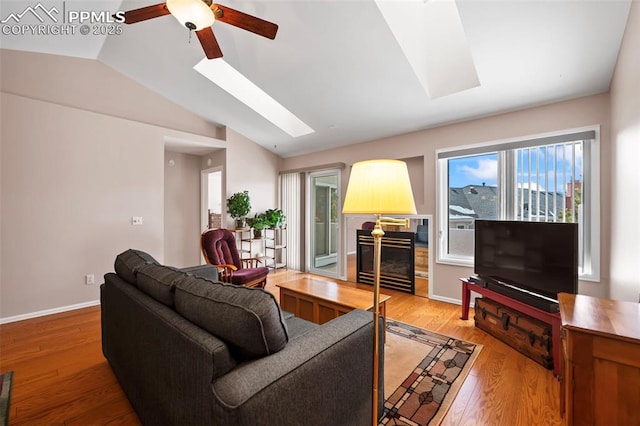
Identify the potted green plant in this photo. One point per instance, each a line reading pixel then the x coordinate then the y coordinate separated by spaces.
pixel 238 206
pixel 275 217
pixel 258 222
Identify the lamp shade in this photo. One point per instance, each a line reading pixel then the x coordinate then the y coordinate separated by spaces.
pixel 379 187
pixel 193 14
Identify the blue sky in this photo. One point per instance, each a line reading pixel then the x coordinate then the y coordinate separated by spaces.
pixel 479 169
pixel 473 170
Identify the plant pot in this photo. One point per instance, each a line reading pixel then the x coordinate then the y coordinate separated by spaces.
pixel 240 223
pixel 257 233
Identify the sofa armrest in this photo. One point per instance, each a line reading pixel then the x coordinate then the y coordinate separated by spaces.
pixel 322 377
pixel 209 272
pixel 159 356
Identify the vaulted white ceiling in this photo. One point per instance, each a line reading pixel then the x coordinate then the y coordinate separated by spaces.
pixel 337 65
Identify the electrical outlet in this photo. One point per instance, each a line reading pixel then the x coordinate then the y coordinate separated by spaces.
pixel 136 220
pixel 89 279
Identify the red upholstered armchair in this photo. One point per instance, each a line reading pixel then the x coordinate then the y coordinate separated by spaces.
pixel 219 248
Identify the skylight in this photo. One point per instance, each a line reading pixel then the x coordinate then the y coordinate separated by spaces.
pixel 232 81
pixel 431 35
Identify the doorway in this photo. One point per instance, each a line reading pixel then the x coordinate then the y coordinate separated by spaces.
pixel 323 219
pixel 211 198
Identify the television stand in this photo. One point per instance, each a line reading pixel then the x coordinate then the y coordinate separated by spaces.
pixel 552 318
pixel 526 298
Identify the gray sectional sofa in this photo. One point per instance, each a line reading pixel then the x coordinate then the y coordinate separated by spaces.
pixel 189 350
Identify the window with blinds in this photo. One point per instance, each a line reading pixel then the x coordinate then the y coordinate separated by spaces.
pixel 548 179
pixel 291 202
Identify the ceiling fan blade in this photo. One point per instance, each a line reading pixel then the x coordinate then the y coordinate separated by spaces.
pixel 246 22
pixel 144 13
pixel 209 43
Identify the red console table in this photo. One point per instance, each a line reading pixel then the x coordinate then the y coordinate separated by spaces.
pixel 552 318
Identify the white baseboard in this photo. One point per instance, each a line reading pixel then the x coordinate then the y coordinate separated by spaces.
pixel 452 300
pixel 48 312
pixel 445 299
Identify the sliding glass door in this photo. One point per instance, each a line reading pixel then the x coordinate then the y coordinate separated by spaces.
pixel 324 230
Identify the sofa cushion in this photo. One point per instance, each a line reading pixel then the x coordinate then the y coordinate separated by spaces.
pixel 158 281
pixel 248 319
pixel 128 262
pixel 297 327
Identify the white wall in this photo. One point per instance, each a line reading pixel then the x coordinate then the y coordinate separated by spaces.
pixel 560 116
pixel 625 144
pixel 181 209
pixel 81 153
pixel 252 168
pixel 93 86
pixel 71 181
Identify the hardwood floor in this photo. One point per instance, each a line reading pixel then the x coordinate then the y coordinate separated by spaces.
pixel 61 377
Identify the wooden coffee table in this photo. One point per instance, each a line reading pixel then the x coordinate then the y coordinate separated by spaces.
pixel 321 301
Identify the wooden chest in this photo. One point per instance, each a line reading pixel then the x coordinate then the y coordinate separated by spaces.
pixel 527 335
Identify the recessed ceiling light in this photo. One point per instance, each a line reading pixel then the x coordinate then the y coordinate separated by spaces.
pixel 232 81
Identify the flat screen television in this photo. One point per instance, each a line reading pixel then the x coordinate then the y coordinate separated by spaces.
pixel 537 257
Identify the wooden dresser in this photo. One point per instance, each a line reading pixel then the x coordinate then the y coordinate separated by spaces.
pixel 600 378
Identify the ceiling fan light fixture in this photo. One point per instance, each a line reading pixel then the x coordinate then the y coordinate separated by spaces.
pixel 193 14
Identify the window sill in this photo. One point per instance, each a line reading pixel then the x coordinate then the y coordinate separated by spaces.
pixel 456 262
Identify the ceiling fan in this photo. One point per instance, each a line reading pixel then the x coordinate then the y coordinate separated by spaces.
pixel 199 15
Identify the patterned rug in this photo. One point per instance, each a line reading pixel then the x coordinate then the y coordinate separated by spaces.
pixel 423 373
pixel 6 380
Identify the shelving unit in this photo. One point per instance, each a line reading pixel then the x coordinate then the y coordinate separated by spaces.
pixel 276 247
pixel 273 245
pixel 247 244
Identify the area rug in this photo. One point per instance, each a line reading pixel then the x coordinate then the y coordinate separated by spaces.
pixel 6 380
pixel 423 373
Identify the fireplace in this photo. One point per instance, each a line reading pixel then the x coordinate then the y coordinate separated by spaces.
pixel 397 260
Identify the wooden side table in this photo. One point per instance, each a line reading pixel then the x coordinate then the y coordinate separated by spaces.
pixel 600 382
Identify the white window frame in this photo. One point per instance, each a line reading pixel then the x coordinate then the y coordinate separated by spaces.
pixel 590 270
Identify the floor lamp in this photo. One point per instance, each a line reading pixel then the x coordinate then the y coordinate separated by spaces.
pixel 379 187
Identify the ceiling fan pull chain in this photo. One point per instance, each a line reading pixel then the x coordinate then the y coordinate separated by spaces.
pixel 190 32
